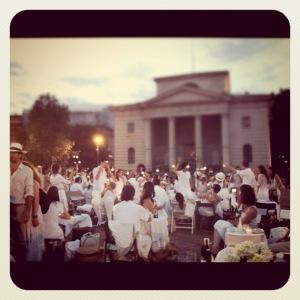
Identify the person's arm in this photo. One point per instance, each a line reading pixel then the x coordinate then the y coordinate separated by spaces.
pixel 35 205
pixel 213 198
pixel 97 176
pixel 28 195
pixel 64 180
pixel 229 168
pixel 259 180
pixel 279 182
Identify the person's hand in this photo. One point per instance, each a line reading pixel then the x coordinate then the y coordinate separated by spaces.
pixel 35 222
pixel 225 164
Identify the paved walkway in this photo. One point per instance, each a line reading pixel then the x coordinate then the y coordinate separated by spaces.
pixel 189 245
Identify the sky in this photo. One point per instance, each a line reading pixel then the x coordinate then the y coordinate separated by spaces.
pixel 88 73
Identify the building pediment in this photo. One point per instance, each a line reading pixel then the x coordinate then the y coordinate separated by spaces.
pixel 185 95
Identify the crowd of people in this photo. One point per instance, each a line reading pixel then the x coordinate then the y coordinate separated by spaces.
pixel 38 198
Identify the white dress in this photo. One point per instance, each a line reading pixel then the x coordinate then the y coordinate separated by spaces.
pixel 60 182
pixel 52 229
pixel 183 184
pixel 223 226
pixel 263 188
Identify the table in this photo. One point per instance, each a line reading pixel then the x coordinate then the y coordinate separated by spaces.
pixel 83 220
pixel 236 237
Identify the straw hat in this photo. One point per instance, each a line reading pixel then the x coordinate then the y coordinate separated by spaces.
pixel 17 147
pixel 220 176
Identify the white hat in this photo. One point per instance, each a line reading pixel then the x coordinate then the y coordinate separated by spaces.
pixel 16 147
pixel 220 176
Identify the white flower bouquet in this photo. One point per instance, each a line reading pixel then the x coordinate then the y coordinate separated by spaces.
pixel 249 252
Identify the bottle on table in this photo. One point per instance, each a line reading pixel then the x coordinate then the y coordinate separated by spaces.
pixel 205 251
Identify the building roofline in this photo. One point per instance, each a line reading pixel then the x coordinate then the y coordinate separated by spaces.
pixel 191 75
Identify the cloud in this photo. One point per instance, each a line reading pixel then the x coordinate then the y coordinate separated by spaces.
pixel 139 71
pixel 84 81
pixel 26 95
pixel 15 68
pixel 233 50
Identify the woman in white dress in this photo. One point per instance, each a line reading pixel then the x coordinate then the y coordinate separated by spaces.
pixel 247 202
pixel 184 181
pixel 263 184
pixel 52 229
pixel 121 181
pixel 57 180
pixel 35 243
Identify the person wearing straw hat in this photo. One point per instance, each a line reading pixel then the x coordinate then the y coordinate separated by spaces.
pixel 223 194
pixel 21 199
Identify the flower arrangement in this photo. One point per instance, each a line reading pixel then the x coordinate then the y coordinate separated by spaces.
pixel 249 252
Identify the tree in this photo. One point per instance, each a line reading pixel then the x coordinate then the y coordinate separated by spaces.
pixel 280 132
pixel 48 125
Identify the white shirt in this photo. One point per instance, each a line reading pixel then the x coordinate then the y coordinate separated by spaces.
pixel 21 184
pixel 77 187
pixel 247 176
pixel 161 198
pixel 99 184
pixel 130 212
pixel 109 202
pixel 59 181
pixel 51 227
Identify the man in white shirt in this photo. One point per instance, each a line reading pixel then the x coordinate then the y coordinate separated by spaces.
pixel 246 174
pixel 161 198
pixel 99 177
pixel 108 200
pixel 127 211
pixel 77 187
pixel 21 198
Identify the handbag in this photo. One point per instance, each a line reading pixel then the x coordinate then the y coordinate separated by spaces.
pixel 90 249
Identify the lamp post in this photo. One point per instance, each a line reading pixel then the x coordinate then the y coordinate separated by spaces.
pixel 99 141
pixel 76 162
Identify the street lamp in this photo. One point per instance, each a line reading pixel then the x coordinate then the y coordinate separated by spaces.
pixel 99 141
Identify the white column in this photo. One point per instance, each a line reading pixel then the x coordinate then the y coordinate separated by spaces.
pixel 148 149
pixel 198 141
pixel 172 147
pixel 225 138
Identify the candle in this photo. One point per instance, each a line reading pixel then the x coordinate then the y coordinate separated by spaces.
pixel 157 170
pixel 248 230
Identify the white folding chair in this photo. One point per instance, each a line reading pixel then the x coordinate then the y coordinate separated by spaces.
pixel 180 220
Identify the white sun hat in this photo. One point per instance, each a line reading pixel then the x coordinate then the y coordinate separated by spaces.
pixel 220 176
pixel 17 147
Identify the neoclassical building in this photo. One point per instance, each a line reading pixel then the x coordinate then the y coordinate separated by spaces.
pixel 195 117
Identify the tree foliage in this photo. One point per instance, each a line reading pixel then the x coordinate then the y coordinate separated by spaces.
pixel 48 127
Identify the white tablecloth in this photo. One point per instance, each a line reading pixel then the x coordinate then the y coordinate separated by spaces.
pixel 82 220
pixel 233 238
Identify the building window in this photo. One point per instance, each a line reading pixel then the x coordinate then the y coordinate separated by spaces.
pixel 130 127
pixel 247 153
pixel 246 122
pixel 131 156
